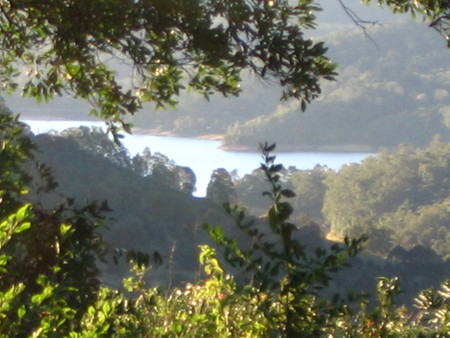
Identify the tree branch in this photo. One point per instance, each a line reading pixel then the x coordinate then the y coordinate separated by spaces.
pixel 359 22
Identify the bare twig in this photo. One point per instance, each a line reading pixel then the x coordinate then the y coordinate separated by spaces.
pixel 359 22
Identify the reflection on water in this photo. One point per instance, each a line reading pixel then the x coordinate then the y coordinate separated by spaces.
pixel 203 156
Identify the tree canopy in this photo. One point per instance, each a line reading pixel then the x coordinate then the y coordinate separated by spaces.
pixel 401 195
pixel 80 48
pixel 119 54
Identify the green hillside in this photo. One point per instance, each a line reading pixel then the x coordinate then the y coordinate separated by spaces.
pixel 151 210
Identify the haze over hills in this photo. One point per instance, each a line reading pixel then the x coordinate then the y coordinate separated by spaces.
pixel 392 89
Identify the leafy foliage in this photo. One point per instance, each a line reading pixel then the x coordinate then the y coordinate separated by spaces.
pixel 74 48
pixel 48 257
pixel 50 286
pixel 278 264
pixel 436 12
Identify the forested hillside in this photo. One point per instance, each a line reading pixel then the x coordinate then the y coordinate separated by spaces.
pixel 398 76
pixel 153 215
pixel 398 199
pixel 153 210
pixel 151 202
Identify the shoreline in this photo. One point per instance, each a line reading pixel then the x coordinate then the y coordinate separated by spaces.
pixel 343 148
pixel 350 148
pixel 155 132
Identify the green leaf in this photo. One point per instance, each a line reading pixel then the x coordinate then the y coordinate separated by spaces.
pixel 106 308
pixel 178 328
pixel 22 227
pixel 21 311
pixel 23 212
pixel 38 298
pixel 276 168
pixel 65 229
pixel 4 259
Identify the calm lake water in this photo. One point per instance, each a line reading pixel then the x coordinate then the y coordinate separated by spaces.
pixel 203 156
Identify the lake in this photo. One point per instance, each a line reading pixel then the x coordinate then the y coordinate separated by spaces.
pixel 203 156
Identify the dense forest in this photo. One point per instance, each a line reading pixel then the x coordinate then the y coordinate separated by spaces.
pixel 398 198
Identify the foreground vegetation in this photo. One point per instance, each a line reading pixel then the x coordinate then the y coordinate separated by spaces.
pixel 51 286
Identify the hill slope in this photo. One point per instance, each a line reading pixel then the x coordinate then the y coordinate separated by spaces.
pixel 388 93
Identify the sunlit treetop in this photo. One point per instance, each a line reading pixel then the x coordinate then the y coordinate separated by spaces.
pixel 77 47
